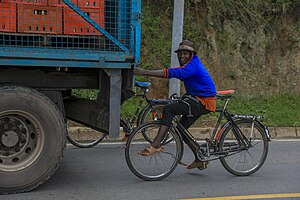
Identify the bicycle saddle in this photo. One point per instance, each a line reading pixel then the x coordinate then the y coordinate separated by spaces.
pixel 142 84
pixel 225 93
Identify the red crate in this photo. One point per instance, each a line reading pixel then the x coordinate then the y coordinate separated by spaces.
pixel 39 19
pixel 35 2
pixel 76 25
pixel 8 17
pixel 60 2
pixel 91 3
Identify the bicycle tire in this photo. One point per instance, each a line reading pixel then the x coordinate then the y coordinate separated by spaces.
pixel 85 139
pixel 157 166
pixel 126 126
pixel 150 113
pixel 243 161
pixel 153 113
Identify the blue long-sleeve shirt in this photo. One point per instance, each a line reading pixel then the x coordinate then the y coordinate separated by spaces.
pixel 196 79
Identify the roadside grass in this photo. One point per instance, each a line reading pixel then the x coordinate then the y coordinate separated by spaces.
pixel 280 110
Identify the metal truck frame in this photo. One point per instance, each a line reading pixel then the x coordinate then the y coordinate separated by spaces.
pixel 44 57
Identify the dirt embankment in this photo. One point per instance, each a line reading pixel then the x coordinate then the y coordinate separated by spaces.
pixel 256 52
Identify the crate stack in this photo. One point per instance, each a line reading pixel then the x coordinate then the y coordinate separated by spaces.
pixel 50 17
pixel 75 24
pixel 8 16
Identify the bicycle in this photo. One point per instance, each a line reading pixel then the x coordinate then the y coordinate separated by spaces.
pixel 151 111
pixel 241 144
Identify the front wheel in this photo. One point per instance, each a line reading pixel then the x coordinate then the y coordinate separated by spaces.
pixel 157 166
pixel 246 147
pixel 153 113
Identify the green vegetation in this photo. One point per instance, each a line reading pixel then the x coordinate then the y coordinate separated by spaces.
pixel 129 107
pixel 250 13
pixel 249 46
pixel 281 111
pixel 277 110
pixel 244 44
pixel 83 93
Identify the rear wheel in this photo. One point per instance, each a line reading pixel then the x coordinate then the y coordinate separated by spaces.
pixel 151 113
pixel 243 159
pixel 159 165
pixel 32 138
pixel 85 138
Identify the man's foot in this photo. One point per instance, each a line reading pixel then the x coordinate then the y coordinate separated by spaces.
pixel 150 151
pixel 125 138
pixel 198 164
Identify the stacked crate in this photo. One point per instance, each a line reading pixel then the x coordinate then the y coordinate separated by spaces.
pixel 8 16
pixel 50 16
pixel 38 16
pixel 75 24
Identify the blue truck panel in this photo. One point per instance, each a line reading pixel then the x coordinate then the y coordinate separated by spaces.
pixel 109 36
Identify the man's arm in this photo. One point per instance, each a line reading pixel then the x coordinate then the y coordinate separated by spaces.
pixel 144 72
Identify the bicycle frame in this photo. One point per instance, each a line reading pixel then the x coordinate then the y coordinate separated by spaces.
pixel 232 144
pixel 213 141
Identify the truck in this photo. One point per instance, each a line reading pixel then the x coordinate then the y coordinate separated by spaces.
pixel 47 49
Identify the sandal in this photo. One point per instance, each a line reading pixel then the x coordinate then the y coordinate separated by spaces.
pixel 150 151
pixel 198 164
pixel 125 138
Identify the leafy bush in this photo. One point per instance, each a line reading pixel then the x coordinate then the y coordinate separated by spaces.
pixel 277 110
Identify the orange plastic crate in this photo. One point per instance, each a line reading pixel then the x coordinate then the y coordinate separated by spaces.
pixel 35 2
pixel 60 2
pixel 91 3
pixel 76 25
pixel 8 17
pixel 39 19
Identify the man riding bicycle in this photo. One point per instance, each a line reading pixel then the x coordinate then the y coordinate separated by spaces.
pixel 200 96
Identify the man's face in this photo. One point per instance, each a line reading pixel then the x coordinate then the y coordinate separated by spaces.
pixel 183 57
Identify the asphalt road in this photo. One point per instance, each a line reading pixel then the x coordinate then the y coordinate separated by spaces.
pixel 101 173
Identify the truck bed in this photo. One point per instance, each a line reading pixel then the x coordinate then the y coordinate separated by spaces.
pixel 76 33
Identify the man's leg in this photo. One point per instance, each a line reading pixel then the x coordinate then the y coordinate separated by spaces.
pixel 179 108
pixel 169 112
pixel 197 109
pixel 163 129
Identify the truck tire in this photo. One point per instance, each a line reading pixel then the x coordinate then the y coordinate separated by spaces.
pixel 32 138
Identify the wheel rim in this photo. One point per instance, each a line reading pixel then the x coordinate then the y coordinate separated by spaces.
pixel 21 140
